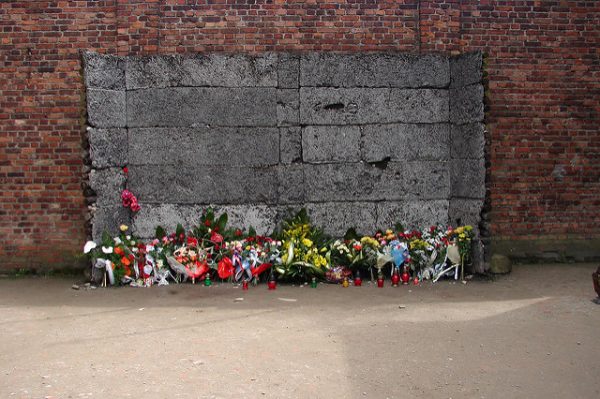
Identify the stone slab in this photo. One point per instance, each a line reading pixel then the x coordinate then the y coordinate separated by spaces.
pixel 291 184
pixel 375 70
pixel 401 142
pixel 262 217
pixel 466 104
pixel 194 106
pixel 108 184
pixel 466 69
pixel 468 178
pixel 216 70
pixel 108 147
pixel 412 214
pixel 338 217
pixel 426 180
pixel 332 106
pixel 288 71
pixel 468 141
pixel 290 145
pixel 102 71
pixel 204 184
pixel 331 144
pixel 106 108
pixel 109 218
pixel 465 212
pixel 228 146
pixel 288 107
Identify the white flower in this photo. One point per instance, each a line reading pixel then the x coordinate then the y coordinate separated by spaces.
pixel 117 240
pixel 134 249
pixel 107 250
pixel 149 248
pixel 128 237
pixel 89 246
pixel 132 243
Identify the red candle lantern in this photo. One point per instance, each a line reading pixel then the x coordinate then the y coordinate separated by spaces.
pixel 272 283
pixel 357 279
pixel 380 280
pixel 245 285
pixel 405 275
pixel 416 281
pixel 395 277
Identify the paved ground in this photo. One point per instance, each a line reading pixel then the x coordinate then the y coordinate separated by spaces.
pixel 532 334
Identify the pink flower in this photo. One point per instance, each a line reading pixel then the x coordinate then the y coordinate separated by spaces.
pixel 130 201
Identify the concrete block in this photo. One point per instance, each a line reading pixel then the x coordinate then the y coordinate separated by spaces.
pixel 466 104
pixel 468 178
pixel 342 182
pixel 262 217
pixel 401 142
pixel 193 106
pixel 331 144
pixel 204 184
pixel 108 185
pixel 290 145
pixel 106 108
pixel 229 146
pixel 288 107
pixel 466 69
pixel 109 218
pixel 412 214
pixel 465 212
pixel 288 71
pixel 167 216
pixel 291 184
pixel 374 70
pixel 102 71
pixel 222 70
pixel 426 180
pixel 329 106
pixel 468 141
pixel 108 147
pixel 337 217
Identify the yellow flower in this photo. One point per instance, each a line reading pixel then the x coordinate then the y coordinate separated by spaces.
pixel 459 230
pixel 247 247
pixel 307 243
pixel 388 232
pixel 462 235
pixel 468 228
pixel 123 228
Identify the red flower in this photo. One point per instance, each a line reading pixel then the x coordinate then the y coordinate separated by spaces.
pixel 225 268
pixel 216 237
pixel 238 233
pixel 125 169
pixel 192 241
pixel 207 223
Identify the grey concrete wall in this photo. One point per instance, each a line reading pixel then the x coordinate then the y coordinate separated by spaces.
pixel 362 140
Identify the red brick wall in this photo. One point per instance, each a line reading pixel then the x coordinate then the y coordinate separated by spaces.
pixel 543 65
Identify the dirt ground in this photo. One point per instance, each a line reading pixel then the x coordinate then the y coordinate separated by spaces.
pixel 532 334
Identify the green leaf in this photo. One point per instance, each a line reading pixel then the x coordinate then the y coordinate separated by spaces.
pixel 399 227
pixel 222 222
pixel 179 230
pixel 160 232
pixel 351 234
pixel 251 232
pixel 107 240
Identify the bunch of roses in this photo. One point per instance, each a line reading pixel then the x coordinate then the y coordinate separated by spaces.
pixel 130 201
